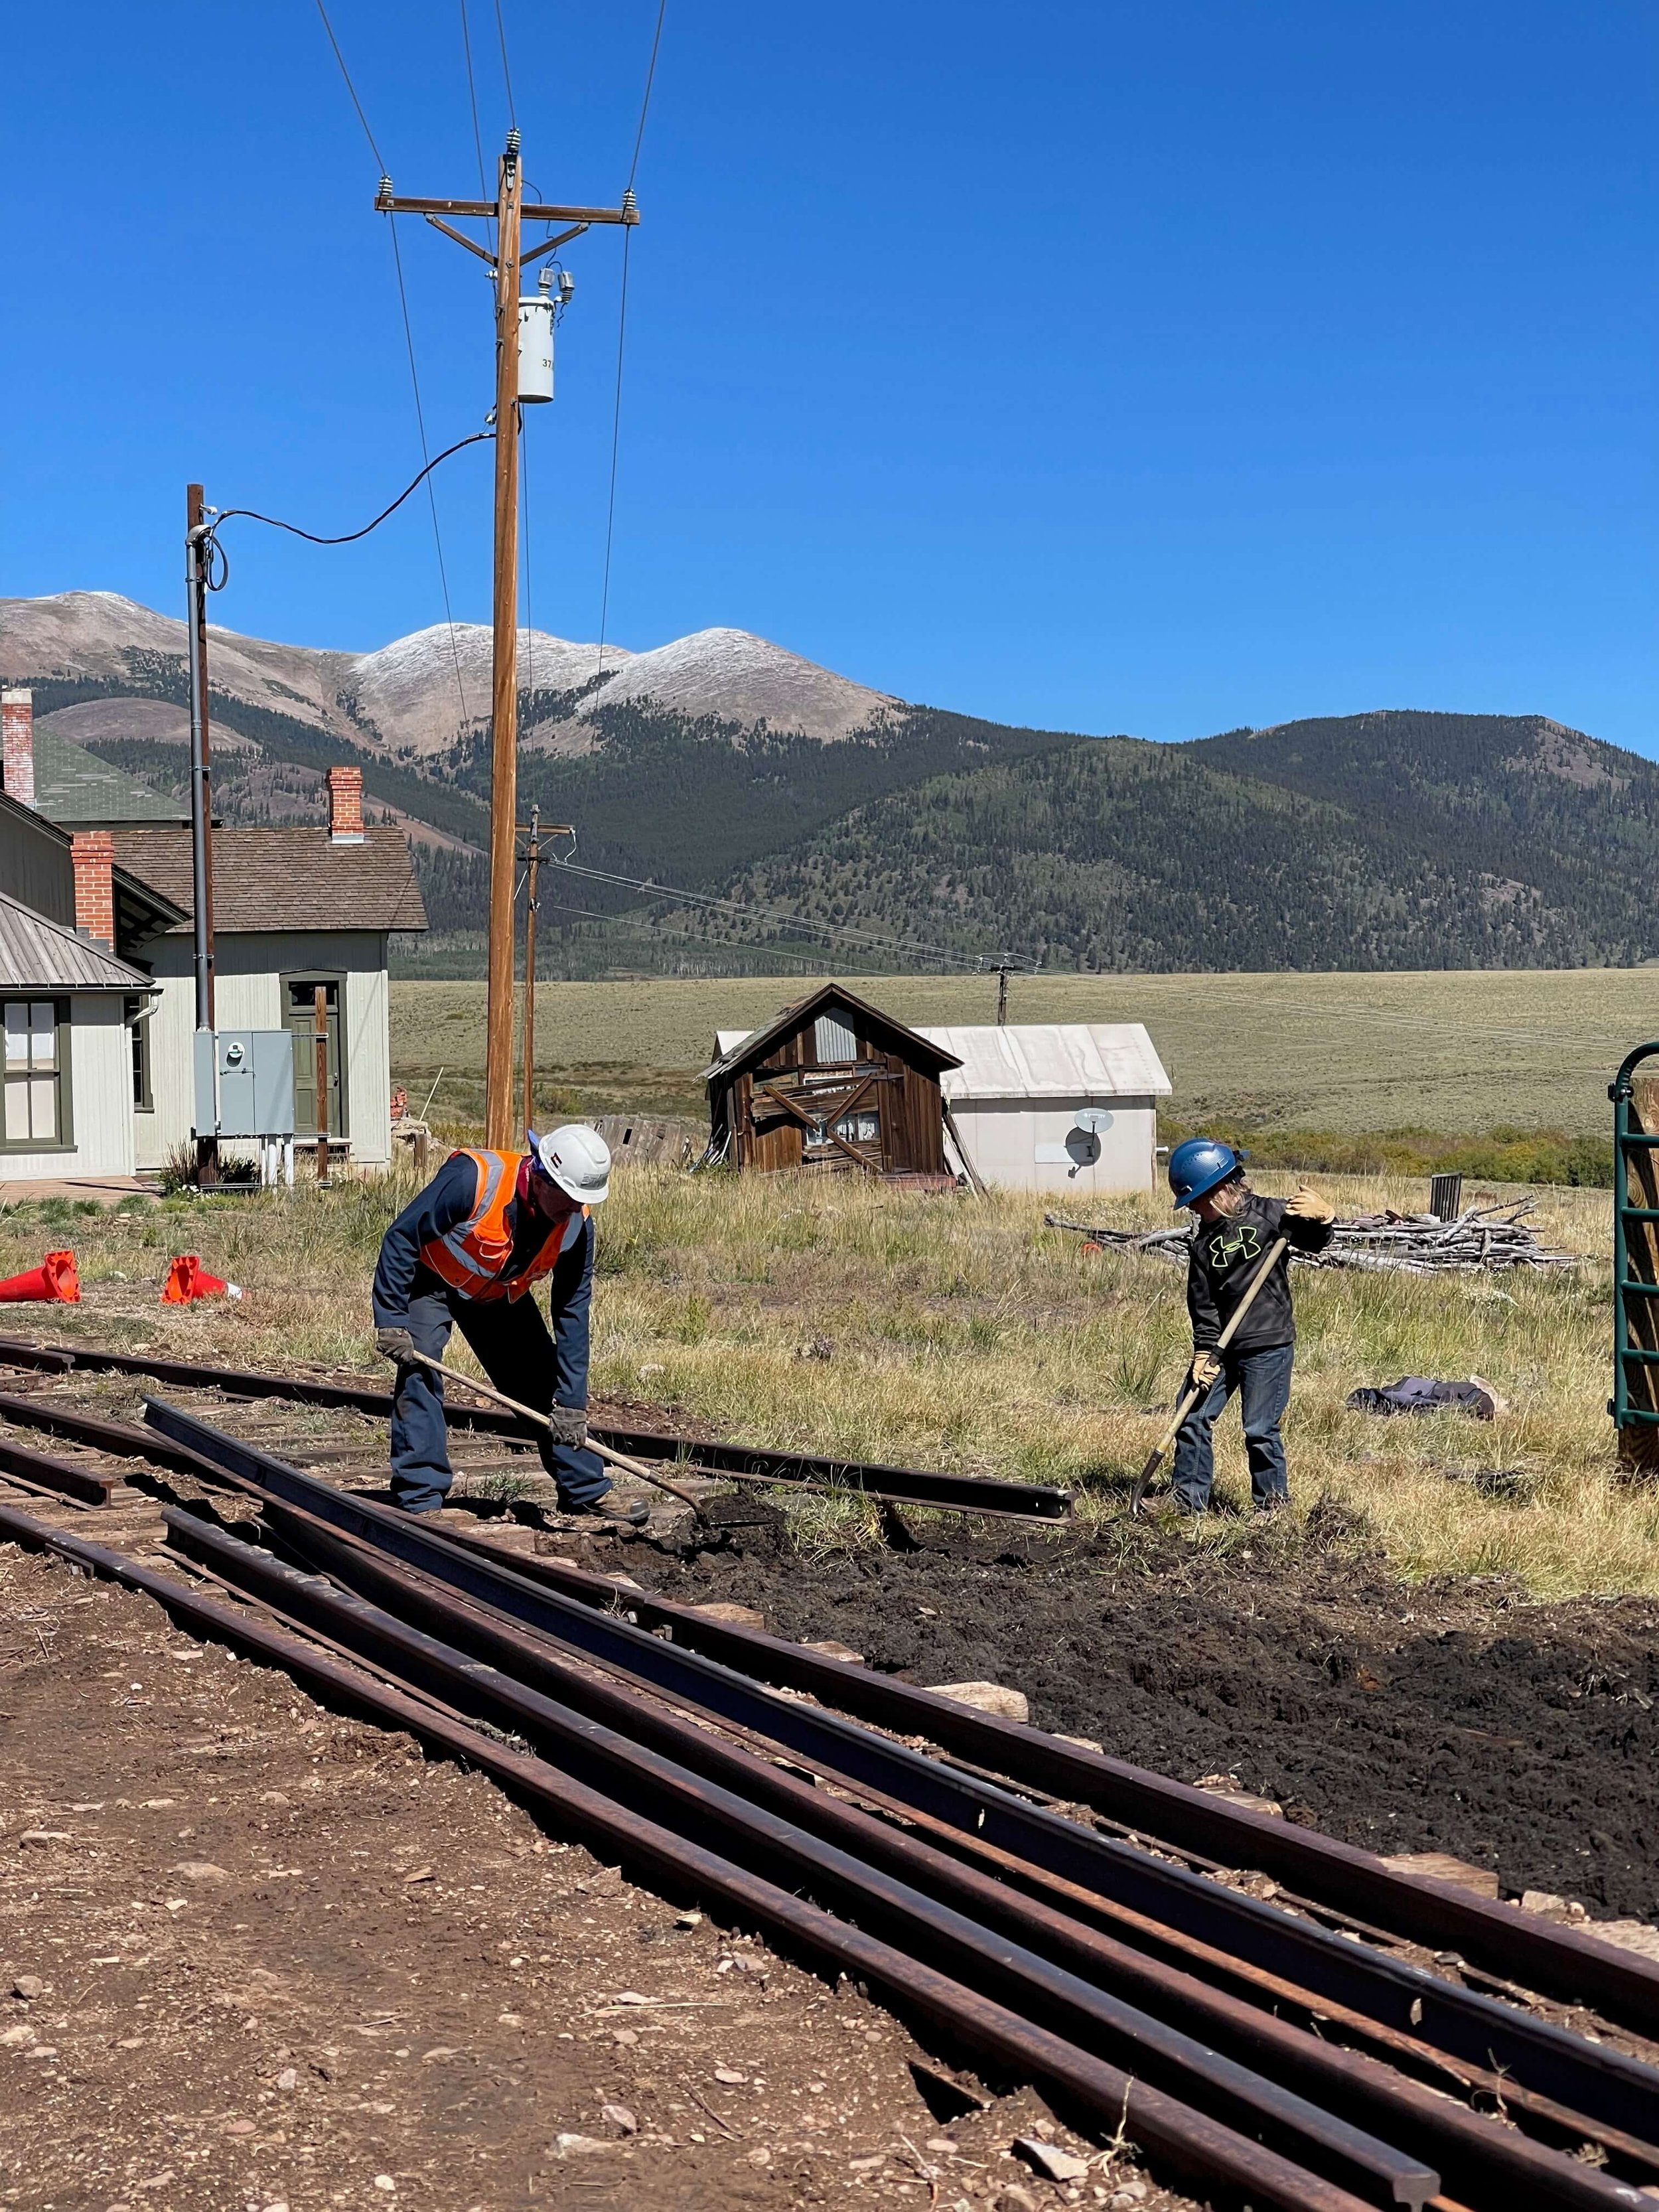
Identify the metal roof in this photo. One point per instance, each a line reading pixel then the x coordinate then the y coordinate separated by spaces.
pixel 1073 1060
pixel 38 955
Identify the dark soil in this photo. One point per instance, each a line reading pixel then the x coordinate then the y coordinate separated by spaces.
pixel 1451 1716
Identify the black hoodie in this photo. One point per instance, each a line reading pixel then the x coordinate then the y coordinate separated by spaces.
pixel 1222 1262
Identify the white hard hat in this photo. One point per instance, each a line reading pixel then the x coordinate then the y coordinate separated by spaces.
pixel 578 1159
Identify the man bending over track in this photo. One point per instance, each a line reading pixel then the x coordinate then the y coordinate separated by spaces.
pixel 468 1252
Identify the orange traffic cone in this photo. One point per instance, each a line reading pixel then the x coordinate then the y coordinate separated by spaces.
pixel 188 1280
pixel 54 1282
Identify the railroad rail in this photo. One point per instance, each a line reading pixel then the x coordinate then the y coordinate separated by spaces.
pixel 895 1485
pixel 1048 1908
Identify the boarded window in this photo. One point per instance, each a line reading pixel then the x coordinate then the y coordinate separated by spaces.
pixel 833 1040
pixel 37 1043
pixel 863 1128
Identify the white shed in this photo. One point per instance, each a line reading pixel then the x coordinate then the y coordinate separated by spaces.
pixel 1066 1106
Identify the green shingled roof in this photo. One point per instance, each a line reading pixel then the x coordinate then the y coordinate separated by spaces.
pixel 76 789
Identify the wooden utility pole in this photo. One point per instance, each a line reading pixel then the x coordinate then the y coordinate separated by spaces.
pixel 533 865
pixel 197 556
pixel 504 665
pixel 509 213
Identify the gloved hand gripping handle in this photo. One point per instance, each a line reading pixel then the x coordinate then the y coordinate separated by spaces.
pixel 1275 1254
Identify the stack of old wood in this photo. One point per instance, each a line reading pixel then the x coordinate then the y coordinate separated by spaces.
pixel 1485 1237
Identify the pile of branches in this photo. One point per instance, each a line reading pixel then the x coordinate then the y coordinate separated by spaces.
pixel 1486 1238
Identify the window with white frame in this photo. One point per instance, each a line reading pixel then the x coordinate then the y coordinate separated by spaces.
pixel 37 1046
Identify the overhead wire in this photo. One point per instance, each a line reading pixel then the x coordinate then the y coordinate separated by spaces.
pixel 622 334
pixel 472 96
pixel 856 939
pixel 506 74
pixel 414 378
pixel 350 537
pixel 690 936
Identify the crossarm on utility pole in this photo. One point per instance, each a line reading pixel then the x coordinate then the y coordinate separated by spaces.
pixel 390 204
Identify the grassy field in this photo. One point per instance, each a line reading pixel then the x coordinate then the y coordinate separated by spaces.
pixel 1451 1052
pixel 944 1331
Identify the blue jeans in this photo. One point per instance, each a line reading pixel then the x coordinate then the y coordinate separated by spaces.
pixel 518 1356
pixel 1262 1380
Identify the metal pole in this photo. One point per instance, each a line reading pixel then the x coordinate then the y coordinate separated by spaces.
pixel 504 699
pixel 530 967
pixel 319 1018
pixel 201 805
pixel 1002 996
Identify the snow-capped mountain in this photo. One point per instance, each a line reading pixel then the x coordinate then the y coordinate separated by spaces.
pixel 420 690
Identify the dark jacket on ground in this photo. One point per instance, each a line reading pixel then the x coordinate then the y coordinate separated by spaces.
pixel 1222 1263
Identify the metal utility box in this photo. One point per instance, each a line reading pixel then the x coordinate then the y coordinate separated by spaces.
pixel 256 1083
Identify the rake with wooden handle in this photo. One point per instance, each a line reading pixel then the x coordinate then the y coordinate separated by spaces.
pixel 1200 1389
pixel 528 1414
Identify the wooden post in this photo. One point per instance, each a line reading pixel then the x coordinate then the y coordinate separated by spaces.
pixel 504 682
pixel 319 1014
pixel 534 858
pixel 1638 1442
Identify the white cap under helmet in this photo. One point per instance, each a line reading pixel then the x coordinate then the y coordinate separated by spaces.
pixel 577 1158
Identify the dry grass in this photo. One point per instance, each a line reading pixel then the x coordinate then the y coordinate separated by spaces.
pixel 1452 1052
pixel 963 1335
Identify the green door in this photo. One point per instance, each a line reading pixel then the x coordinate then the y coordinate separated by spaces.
pixel 298 1019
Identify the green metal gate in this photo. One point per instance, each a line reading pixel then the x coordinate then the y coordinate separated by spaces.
pixel 1635 1264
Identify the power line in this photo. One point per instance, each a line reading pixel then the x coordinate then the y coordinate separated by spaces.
pixel 856 939
pixel 645 104
pixel 414 374
pixel 472 96
pixel 431 492
pixel 616 441
pixel 686 936
pixel 350 88
pixel 350 537
pixel 523 486
pixel 506 74
pixel 622 333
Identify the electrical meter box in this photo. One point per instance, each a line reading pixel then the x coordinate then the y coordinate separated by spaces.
pixel 255 1069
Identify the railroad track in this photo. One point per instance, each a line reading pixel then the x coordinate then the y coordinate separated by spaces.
pixel 895 1485
pixel 1054 1910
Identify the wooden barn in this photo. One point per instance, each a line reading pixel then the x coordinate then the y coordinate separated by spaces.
pixel 831 1085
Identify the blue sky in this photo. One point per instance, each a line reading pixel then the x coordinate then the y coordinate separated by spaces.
pixel 1099 366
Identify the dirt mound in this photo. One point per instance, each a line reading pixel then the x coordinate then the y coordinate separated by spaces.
pixel 1447 1717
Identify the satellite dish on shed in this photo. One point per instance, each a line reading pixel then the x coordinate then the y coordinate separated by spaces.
pixel 1096 1120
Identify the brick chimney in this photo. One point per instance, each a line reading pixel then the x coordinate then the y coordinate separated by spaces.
pixel 93 851
pixel 17 743
pixel 345 805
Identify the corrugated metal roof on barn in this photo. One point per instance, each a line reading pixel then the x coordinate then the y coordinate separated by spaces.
pixel 1074 1060
pixel 38 955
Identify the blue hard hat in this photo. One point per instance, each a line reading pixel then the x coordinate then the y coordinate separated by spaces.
pixel 1202 1165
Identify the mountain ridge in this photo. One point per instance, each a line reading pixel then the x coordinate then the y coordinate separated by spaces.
pixel 725 764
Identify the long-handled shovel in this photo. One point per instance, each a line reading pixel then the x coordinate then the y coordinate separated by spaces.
pixel 1200 1390
pixel 528 1414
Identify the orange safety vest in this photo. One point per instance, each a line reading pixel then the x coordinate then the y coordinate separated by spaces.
pixel 472 1257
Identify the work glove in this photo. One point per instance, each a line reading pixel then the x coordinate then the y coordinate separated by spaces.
pixel 1309 1205
pixel 1207 1368
pixel 567 1425
pixel 395 1344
